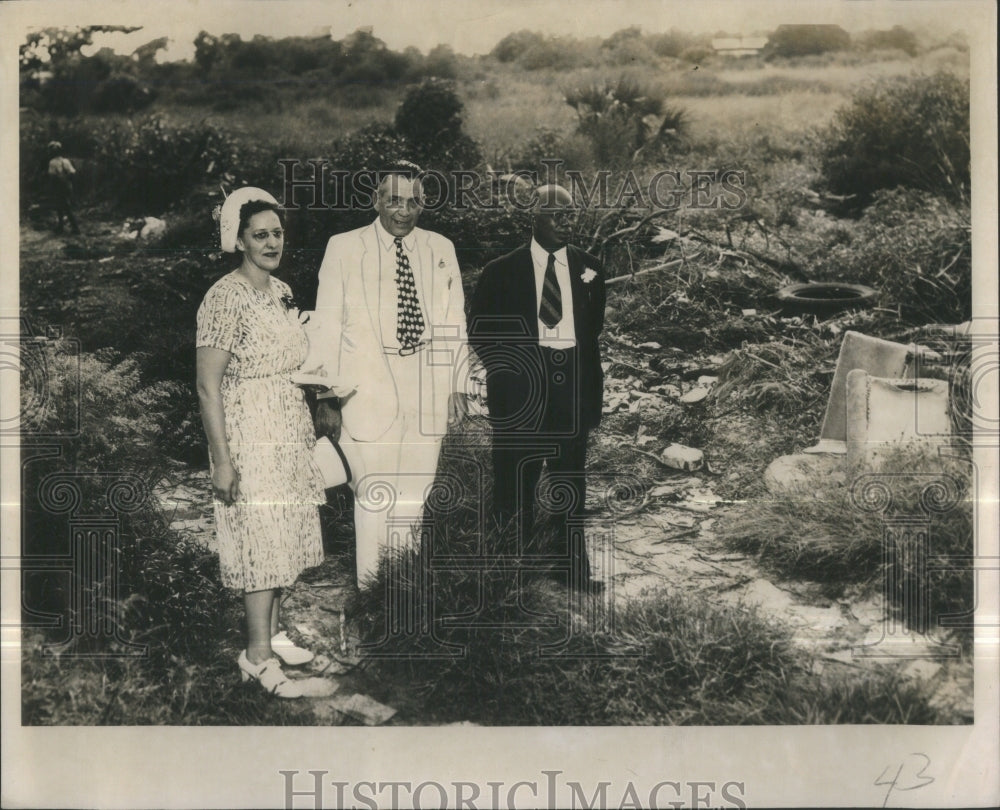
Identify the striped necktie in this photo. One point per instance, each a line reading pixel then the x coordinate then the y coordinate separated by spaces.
pixel 550 311
pixel 409 318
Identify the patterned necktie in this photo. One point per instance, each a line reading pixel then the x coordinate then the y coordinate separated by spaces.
pixel 550 311
pixel 409 318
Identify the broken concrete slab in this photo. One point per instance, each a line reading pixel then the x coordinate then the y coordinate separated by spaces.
pixel 885 413
pixel 361 707
pixel 681 457
pixel 880 358
pixel 694 396
pixel 787 474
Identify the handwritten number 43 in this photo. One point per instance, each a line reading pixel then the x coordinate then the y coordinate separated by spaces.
pixel 908 775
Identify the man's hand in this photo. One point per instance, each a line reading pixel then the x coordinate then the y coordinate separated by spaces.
pixel 226 483
pixel 458 408
pixel 328 420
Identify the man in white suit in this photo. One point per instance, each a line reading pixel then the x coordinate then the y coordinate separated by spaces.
pixel 390 319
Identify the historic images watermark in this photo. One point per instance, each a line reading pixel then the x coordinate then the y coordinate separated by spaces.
pixel 317 186
pixel 316 788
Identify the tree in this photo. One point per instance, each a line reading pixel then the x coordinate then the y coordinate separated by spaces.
pixel 896 38
pixel 513 46
pixel 804 40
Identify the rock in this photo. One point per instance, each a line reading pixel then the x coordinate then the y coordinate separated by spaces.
pixel 144 229
pixel 701 500
pixel 664 489
pixel 707 380
pixel 694 395
pixel 748 312
pixel 791 473
pixel 366 709
pixel 614 402
pixel 681 457
pixel 651 345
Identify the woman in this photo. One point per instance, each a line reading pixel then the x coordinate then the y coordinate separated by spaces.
pixel 266 485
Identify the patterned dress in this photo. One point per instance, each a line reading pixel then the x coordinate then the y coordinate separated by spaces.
pixel 272 532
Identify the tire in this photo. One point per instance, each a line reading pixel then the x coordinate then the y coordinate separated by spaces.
pixel 825 298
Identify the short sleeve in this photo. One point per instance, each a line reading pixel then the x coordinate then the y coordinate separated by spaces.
pixel 219 318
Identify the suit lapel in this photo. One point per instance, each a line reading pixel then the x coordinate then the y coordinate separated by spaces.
pixel 524 271
pixel 423 275
pixel 369 264
pixel 580 309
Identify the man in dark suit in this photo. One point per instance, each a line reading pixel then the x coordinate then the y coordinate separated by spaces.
pixel 535 319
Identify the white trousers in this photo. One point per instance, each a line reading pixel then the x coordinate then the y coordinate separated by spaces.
pixel 396 473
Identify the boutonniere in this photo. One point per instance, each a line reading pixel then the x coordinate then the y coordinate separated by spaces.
pixel 588 275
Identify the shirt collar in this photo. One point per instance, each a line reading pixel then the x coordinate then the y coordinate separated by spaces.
pixel 541 255
pixel 389 241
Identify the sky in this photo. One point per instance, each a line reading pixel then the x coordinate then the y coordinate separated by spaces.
pixel 472 26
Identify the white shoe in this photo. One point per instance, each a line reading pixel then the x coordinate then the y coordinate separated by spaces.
pixel 283 647
pixel 269 675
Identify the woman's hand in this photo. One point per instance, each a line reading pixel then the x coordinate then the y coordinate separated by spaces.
pixel 226 483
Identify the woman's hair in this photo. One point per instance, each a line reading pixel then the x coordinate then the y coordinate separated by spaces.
pixel 255 207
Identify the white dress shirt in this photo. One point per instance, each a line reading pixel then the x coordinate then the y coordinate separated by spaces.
pixel 563 334
pixel 388 294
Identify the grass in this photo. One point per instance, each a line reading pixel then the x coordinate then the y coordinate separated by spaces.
pixel 821 533
pixel 669 659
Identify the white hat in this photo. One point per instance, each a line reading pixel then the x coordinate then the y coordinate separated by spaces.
pixel 229 217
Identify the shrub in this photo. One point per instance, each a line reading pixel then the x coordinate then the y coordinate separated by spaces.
pixel 673 43
pixel 896 38
pixel 122 93
pixel 513 46
pixel 803 40
pixel 552 53
pixel 73 394
pixel 901 132
pixel 143 165
pixel 430 113
pixel 697 54
pixel 916 249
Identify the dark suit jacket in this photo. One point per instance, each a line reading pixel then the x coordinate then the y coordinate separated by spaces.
pixel 503 329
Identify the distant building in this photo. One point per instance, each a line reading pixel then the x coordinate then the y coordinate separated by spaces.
pixel 738 46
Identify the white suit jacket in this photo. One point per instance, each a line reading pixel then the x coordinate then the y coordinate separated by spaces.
pixel 347 340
